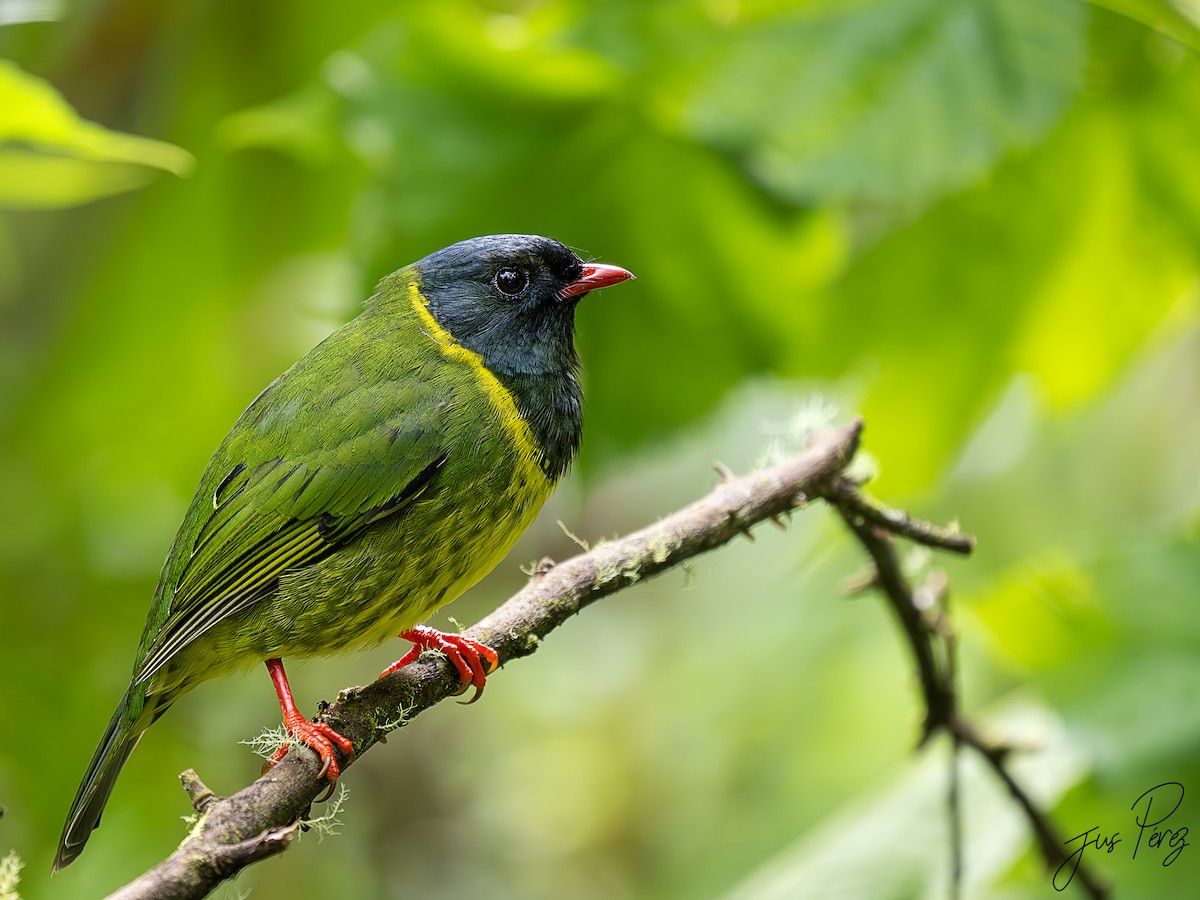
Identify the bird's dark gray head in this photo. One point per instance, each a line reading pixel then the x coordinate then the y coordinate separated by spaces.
pixel 511 298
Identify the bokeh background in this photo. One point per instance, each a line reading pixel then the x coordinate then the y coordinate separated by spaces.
pixel 975 222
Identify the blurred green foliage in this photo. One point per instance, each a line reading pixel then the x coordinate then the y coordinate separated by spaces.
pixel 52 157
pixel 975 221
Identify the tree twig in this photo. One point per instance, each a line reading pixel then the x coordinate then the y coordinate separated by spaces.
pixel 933 646
pixel 850 498
pixel 260 820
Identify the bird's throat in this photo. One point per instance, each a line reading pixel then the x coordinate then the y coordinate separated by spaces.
pixel 542 411
pixel 552 407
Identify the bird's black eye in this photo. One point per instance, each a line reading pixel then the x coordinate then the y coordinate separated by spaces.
pixel 511 281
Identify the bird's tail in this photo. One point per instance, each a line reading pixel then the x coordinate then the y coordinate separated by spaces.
pixel 133 716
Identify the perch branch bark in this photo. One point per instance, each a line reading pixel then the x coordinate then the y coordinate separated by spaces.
pixel 260 820
pixel 263 818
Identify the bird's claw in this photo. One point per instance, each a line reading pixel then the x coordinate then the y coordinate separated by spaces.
pixel 466 655
pixel 321 737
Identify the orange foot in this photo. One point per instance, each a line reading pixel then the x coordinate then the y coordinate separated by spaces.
pixel 317 735
pixel 466 654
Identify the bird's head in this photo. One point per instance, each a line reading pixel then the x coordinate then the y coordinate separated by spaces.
pixel 511 298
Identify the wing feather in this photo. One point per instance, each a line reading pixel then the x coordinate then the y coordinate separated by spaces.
pixel 263 517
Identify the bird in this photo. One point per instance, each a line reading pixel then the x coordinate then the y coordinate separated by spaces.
pixel 374 481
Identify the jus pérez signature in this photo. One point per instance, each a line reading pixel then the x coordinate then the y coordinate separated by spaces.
pixel 1150 811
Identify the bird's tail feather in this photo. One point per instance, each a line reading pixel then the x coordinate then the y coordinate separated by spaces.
pixel 132 717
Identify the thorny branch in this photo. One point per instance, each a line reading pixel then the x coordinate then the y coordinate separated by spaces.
pixel 263 818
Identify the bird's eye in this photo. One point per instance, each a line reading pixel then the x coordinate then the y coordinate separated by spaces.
pixel 511 281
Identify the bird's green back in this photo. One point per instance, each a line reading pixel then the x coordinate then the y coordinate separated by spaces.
pixel 387 410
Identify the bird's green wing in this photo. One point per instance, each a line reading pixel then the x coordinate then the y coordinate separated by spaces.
pixel 263 510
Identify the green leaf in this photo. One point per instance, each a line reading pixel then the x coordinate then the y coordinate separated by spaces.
pixel 1176 20
pixel 891 100
pixel 49 156
pixel 1065 295
pixel 44 180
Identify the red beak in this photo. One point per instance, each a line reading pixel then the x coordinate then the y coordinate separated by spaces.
pixel 594 277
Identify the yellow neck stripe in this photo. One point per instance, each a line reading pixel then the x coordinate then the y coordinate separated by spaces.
pixel 529 454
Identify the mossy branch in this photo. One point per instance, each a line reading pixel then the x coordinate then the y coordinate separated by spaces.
pixel 262 819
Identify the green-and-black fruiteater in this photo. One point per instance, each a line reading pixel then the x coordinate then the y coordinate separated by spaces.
pixel 374 481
